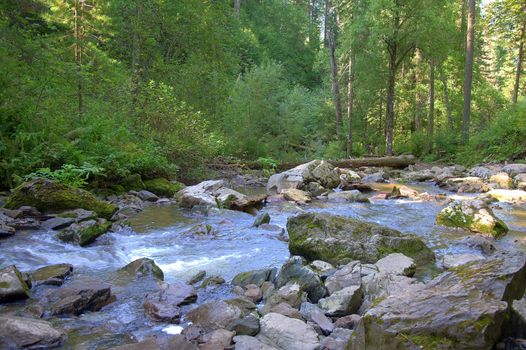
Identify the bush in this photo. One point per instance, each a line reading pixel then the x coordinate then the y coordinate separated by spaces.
pixel 68 174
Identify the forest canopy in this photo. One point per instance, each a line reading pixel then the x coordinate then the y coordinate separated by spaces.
pixel 162 88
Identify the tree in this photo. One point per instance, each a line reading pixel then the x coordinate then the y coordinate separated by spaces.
pixel 468 77
pixel 331 20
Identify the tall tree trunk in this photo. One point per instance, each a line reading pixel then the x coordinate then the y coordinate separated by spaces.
pixel 468 80
pixel 350 103
pixel 419 96
pixel 237 7
pixel 431 125
pixel 463 24
pixel 79 34
pixel 389 114
pixel 135 58
pixel 446 98
pixel 335 87
pixel 519 65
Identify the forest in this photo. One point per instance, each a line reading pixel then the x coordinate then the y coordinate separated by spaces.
pixel 162 88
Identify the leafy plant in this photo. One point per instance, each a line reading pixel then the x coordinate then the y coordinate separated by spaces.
pixel 68 174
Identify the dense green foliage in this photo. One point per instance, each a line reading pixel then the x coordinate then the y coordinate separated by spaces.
pixel 161 88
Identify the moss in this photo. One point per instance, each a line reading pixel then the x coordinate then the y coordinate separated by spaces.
pixel 427 341
pixel 376 301
pixel 132 182
pixel 4 285
pixel 475 271
pixel 162 187
pixel 84 233
pixel 46 196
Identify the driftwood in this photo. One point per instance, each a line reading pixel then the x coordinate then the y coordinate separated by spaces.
pixel 390 162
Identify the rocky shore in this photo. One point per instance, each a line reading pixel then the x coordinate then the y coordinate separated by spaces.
pixel 349 284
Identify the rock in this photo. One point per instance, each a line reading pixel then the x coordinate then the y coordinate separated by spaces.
pixel 308 280
pixel 295 195
pixel 514 169
pixel 215 315
pixel 201 231
pixel 248 325
pixel 178 342
pixel 262 218
pixel 85 232
pixel 148 344
pixel 162 187
pixel 465 184
pixel 515 325
pixel 313 313
pixel 244 342
pixel 322 268
pixel 484 244
pixel 79 297
pixel 290 294
pixel 463 308
pixel 337 340
pixel 299 177
pixel 286 310
pixel 379 286
pixel 256 277
pixel 520 181
pixel 6 231
pixel 197 277
pixel 52 274
pixel 315 189
pixel 12 285
pixel 347 322
pixel 163 305
pixel 253 292
pixel 402 192
pixel 346 276
pixel 481 172
pixel 418 176
pixel 338 240
pixel 30 211
pixel 132 182
pixel 209 193
pixel 348 196
pixel 287 333
pixel 67 218
pixel 368 269
pixel 472 215
pixel 242 303
pixel 217 339
pixel 374 178
pixel 508 195
pixel 397 263
pixel 454 260
pixel 46 195
pixel 502 179
pixel 143 267
pixel 147 196
pixel 248 203
pixel 212 281
pixel 28 333
pixel 343 302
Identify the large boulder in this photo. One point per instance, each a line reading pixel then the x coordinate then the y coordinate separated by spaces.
pixel 215 315
pixel 212 193
pixel 314 314
pixel 309 281
pixel 163 304
pixel 318 171
pixel 348 196
pixel 245 342
pixel 12 285
pixel 472 215
pixel 503 195
pixel 468 184
pixel 287 333
pixel 79 297
pixel 337 239
pixel 84 232
pixel 343 302
pixel 47 195
pixel 346 276
pixel 397 263
pixel 514 169
pixel 256 277
pixel 503 180
pixel 295 195
pixel 463 308
pixel 28 333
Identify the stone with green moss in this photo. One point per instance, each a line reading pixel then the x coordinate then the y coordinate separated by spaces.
pixel 338 240
pixel 162 187
pixel 143 267
pixel 474 216
pixel 50 196
pixel 85 232
pixel 463 308
pixel 12 285
pixel 132 182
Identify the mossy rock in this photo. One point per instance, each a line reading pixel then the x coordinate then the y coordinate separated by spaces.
pixel 163 187
pixel 143 267
pixel 49 196
pixel 338 240
pixel 132 182
pixel 85 232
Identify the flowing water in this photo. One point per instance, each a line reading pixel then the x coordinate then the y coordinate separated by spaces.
pixel 157 233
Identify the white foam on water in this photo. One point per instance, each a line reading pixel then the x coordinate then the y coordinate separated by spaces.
pixel 182 265
pixel 173 330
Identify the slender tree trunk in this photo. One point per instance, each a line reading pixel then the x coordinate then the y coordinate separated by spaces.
pixel 237 7
pixel 446 98
pixel 419 96
pixel 519 65
pixel 350 102
pixel 335 87
pixel 389 114
pixel 468 80
pixel 463 24
pixel 431 125
pixel 135 58
pixel 78 34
